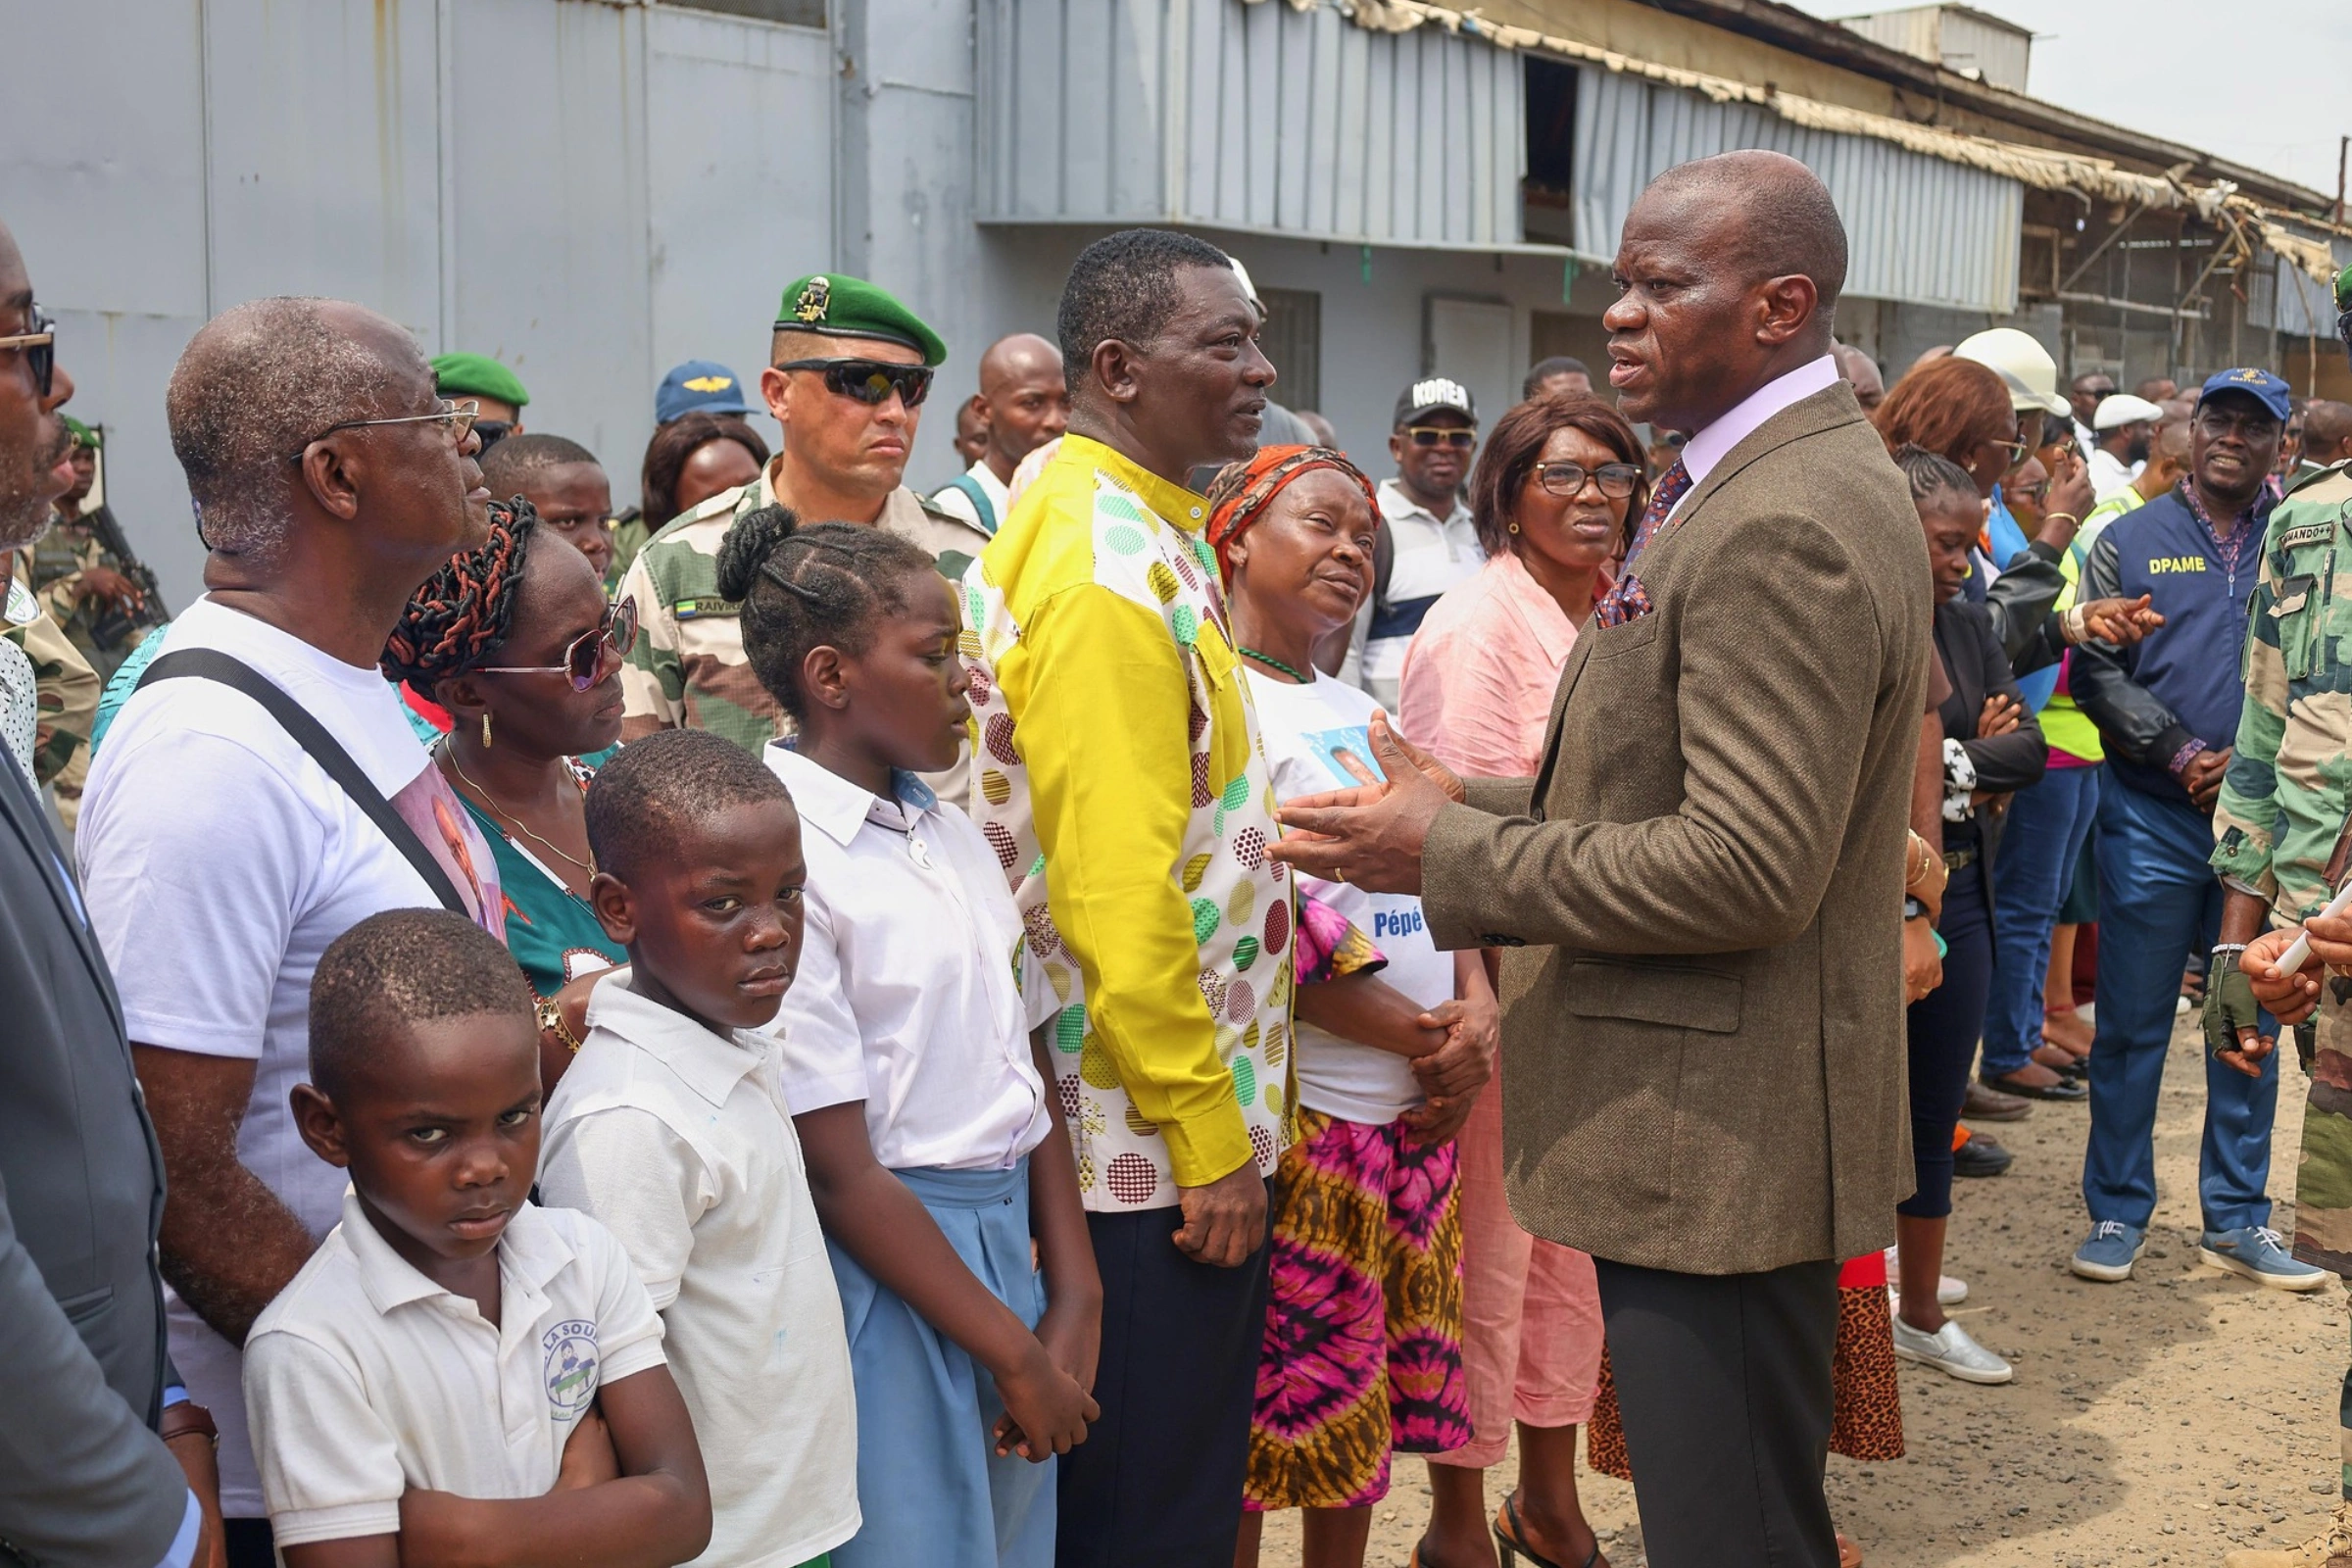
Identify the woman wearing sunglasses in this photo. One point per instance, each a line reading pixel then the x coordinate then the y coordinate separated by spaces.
pixel 1560 481
pixel 518 643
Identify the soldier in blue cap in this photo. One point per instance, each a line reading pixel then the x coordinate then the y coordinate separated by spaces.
pixel 2167 715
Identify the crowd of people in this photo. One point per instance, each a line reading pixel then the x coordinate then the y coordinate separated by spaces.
pixel 810 1023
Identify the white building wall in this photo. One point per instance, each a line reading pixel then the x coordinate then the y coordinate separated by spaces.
pixel 589 191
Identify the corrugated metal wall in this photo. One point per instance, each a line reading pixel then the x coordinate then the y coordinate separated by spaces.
pixel 1918 229
pixel 484 172
pixel 1247 117
pixel 2300 304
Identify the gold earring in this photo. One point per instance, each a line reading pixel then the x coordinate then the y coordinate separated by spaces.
pixel 485 732
pixel 1514 528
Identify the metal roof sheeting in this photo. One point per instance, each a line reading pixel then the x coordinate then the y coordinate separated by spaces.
pixel 1256 118
pixel 1918 228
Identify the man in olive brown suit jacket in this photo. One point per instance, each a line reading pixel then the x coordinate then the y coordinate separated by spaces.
pixel 1703 1044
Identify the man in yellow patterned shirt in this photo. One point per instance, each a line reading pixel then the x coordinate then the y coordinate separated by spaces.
pixel 1117 771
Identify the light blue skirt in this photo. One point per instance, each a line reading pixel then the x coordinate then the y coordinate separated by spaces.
pixel 930 1483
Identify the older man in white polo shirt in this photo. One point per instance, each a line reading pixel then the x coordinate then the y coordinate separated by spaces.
pixel 1430 543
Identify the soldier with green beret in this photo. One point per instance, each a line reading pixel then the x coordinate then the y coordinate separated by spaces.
pixel 499 390
pixel 2283 825
pixel 849 367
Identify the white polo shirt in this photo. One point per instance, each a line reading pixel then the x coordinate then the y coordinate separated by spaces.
pixel 679 1141
pixel 907 995
pixel 365 1378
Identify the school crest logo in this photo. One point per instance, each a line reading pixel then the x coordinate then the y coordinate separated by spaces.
pixel 568 1358
pixel 814 299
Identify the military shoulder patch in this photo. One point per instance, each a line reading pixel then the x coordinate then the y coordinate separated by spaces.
pixel 705 605
pixel 2306 533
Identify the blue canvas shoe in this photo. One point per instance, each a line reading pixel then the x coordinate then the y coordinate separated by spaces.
pixel 2108 1252
pixel 2258 1252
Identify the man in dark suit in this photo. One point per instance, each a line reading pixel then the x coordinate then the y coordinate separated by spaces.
pixel 85 1479
pixel 1699 896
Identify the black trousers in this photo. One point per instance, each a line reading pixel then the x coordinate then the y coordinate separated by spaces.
pixel 1724 1384
pixel 249 1543
pixel 1157 1482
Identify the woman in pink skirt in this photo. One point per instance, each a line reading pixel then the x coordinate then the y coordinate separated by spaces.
pixel 1554 491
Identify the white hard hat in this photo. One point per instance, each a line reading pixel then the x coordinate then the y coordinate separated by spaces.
pixel 2022 363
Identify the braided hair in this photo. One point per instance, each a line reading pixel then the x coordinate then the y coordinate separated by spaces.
pixel 466 609
pixel 1933 475
pixel 816 587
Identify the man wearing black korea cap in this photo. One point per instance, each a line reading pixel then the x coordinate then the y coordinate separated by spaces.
pixel 1428 542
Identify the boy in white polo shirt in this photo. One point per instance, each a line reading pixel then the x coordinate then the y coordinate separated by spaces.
pixel 427 1388
pixel 671 1127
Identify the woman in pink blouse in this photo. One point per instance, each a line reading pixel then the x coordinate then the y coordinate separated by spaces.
pixel 1556 487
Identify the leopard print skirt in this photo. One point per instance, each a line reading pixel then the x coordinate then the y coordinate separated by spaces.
pixel 1867 1420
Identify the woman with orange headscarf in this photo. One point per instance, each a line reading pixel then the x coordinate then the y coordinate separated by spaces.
pixel 1362 1354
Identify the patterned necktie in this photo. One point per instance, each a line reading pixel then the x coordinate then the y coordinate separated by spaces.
pixel 1628 599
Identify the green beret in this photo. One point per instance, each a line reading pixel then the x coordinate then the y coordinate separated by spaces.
pixel 83 435
pixel 851 307
pixel 477 376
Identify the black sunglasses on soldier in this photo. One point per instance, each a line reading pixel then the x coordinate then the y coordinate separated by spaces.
pixel 869 381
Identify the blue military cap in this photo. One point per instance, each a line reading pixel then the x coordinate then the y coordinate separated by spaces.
pixel 703 385
pixel 2262 386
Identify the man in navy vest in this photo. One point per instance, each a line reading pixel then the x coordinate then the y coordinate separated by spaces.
pixel 2167 711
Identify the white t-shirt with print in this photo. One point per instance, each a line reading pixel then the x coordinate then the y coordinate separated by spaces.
pixel 1319 738
pixel 365 1378
pixel 219 862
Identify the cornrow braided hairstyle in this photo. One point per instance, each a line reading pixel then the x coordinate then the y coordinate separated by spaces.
pixel 464 610
pixel 817 587
pixel 1931 473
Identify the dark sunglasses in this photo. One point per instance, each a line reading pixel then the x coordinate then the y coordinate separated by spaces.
pixel 1442 435
pixel 1616 479
pixel 39 344
pixel 584 659
pixel 492 432
pixel 869 381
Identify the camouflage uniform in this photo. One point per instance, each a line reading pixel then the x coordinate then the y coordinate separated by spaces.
pixel 688 669
pixel 2282 806
pixel 65 694
pixel 59 559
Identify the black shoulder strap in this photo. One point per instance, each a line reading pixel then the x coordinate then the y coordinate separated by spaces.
pixel 209 664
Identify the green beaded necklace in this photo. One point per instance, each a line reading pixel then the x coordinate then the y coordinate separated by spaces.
pixel 1270 660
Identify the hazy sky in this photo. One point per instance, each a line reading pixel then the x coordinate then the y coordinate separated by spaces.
pixel 2262 82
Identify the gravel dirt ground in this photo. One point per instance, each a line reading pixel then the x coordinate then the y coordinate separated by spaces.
pixel 2160 1421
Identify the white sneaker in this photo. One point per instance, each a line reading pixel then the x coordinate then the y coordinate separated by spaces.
pixel 1949 1291
pixel 1949 1350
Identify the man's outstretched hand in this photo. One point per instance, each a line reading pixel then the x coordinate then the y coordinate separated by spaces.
pixel 1371 835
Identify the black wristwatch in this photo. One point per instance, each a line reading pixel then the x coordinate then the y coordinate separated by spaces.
pixel 1913 910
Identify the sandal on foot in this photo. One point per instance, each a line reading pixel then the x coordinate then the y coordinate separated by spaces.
pixel 1510 1540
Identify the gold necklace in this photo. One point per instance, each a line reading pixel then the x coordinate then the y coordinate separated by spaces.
pixel 490 803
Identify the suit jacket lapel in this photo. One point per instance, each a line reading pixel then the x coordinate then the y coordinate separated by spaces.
pixel 1825 410
pixel 20 807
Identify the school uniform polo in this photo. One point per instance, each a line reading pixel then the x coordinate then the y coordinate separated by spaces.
pixel 678 1140
pixel 907 995
pixel 908 998
pixel 363 1377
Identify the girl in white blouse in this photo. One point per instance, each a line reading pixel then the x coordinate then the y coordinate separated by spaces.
pixel 908 1061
